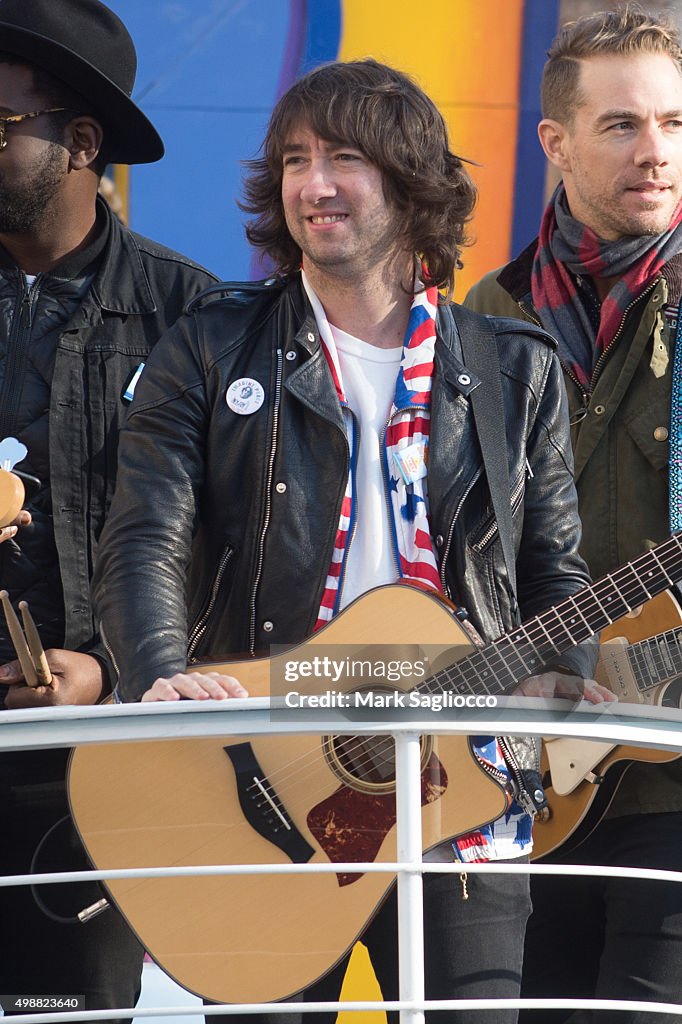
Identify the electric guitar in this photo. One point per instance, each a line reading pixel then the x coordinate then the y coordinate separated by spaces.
pixel 307 799
pixel 645 667
pixel 581 776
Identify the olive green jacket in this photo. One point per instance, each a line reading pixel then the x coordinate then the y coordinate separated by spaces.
pixel 619 432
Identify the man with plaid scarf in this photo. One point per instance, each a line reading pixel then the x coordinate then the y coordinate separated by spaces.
pixel 604 278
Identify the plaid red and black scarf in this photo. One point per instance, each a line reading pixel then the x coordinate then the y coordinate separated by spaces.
pixel 568 249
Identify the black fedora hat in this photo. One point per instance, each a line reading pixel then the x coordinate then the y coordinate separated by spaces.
pixel 87 46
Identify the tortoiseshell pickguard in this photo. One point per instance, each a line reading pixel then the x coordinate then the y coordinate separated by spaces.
pixel 350 825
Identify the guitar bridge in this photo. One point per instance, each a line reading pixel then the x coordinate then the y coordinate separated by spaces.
pixel 262 808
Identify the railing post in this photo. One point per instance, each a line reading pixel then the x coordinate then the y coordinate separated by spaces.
pixel 410 884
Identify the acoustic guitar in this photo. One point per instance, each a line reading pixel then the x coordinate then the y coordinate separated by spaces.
pixel 581 776
pixel 307 799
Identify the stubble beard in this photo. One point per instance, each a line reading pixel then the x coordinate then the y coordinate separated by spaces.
pixel 650 220
pixel 349 262
pixel 23 205
pixel 649 223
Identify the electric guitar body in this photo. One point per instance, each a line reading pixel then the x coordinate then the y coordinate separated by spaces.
pixel 581 776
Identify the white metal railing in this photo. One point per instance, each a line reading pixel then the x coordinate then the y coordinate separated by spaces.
pixel 70 726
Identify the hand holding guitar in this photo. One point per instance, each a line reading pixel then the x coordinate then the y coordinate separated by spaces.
pixel 556 684
pixel 195 686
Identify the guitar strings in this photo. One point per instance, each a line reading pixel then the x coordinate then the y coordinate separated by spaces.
pixel 659 655
pixel 534 631
pixel 531 633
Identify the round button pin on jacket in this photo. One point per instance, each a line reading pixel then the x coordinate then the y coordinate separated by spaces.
pixel 245 396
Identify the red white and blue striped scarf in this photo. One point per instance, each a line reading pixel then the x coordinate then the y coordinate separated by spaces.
pixel 568 249
pixel 409 424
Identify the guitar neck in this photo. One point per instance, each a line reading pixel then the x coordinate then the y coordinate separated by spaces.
pixel 656 659
pixel 499 667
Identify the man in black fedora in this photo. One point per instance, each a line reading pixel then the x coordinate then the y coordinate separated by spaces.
pixel 82 301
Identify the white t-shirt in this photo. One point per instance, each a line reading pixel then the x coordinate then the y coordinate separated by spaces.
pixel 369 375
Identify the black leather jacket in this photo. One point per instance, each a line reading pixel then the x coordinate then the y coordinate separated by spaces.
pixel 245 507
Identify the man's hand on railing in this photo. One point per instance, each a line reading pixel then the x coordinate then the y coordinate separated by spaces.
pixel 76 679
pixel 557 684
pixel 195 686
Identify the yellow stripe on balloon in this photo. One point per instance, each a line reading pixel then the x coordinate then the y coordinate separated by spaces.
pixel 466 54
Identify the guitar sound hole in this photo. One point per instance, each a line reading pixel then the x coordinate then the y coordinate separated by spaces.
pixel 367 763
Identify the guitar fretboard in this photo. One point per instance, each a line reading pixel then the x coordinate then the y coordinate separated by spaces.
pixel 499 667
pixel 656 659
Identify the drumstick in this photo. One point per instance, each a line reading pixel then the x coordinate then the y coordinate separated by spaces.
pixel 19 641
pixel 35 646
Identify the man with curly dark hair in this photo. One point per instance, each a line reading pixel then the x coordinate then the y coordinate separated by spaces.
pixel 400 131
pixel 279 449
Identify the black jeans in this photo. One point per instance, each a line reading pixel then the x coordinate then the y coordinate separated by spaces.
pixel 609 938
pixel 101 960
pixel 473 949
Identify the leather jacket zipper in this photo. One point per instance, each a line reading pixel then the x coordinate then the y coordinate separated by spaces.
pixel 521 794
pixel 448 543
pixel 491 529
pixel 518 787
pixel 495 773
pixel 268 503
pixel 199 627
